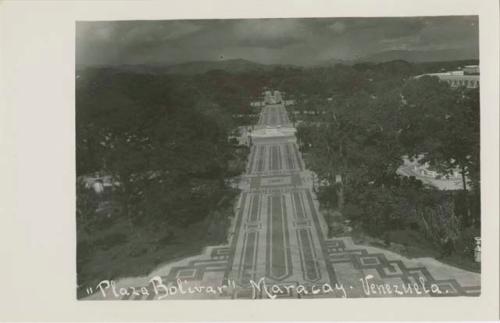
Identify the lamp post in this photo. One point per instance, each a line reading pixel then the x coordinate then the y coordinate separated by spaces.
pixel 477 249
pixel 313 177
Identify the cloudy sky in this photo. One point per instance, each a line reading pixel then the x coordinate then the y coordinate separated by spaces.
pixel 287 41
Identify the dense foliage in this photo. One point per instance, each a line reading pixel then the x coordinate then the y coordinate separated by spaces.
pixel 357 122
pixel 163 139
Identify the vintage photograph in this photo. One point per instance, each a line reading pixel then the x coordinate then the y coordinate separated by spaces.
pixel 278 158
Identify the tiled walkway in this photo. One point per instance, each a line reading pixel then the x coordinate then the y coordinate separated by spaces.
pixel 278 246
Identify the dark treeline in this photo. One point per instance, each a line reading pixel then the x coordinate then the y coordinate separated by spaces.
pixel 163 139
pixel 349 79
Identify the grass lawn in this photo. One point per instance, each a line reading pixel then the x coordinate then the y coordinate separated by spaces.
pixel 117 255
pixel 413 244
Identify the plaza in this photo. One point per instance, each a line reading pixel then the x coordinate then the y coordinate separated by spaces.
pixel 278 238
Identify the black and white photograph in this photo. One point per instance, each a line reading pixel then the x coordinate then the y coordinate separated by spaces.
pixel 249 161
pixel 278 158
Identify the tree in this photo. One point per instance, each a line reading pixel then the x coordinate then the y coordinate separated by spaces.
pixel 452 117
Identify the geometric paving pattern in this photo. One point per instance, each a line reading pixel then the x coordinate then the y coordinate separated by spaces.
pixel 278 246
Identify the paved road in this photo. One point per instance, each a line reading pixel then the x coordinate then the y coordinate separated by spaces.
pixel 279 238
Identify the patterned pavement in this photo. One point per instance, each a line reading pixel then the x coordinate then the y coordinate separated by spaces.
pixel 278 245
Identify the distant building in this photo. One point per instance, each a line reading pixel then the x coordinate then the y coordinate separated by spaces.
pixel 467 77
pixel 98 183
pixel 256 104
pixel 277 96
pixel 268 97
pixel 102 186
pixel 242 136
pixel 272 98
pixel 471 70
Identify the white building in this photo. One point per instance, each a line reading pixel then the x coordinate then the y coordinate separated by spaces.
pixel 471 70
pixel 271 97
pixel 467 77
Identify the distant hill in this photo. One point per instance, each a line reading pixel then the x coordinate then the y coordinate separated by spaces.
pixel 230 65
pixel 420 56
pixel 411 56
pixel 196 67
pixel 335 61
pixel 242 65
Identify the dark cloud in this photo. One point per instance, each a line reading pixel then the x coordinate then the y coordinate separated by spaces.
pixel 293 41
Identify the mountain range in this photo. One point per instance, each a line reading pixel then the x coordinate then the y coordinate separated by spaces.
pixel 195 67
pixel 242 65
pixel 420 56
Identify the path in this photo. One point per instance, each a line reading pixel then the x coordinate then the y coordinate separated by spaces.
pixel 279 238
